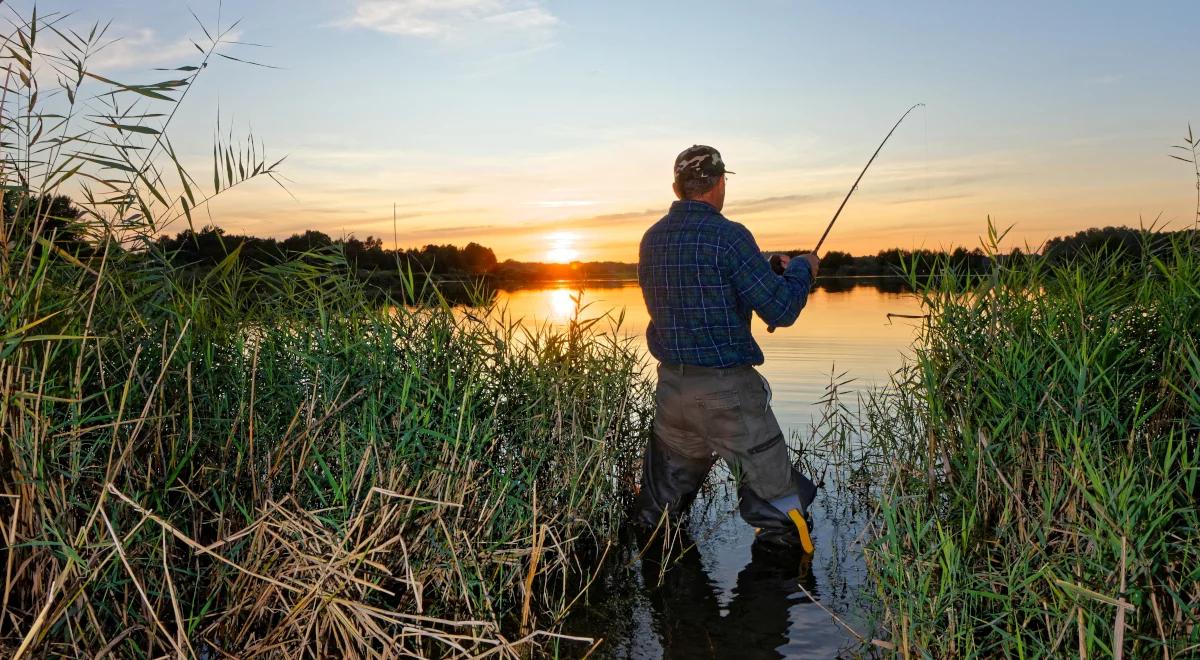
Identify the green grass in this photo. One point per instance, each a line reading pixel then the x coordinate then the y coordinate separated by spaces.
pixel 266 461
pixel 267 473
pixel 263 461
pixel 415 461
pixel 1040 463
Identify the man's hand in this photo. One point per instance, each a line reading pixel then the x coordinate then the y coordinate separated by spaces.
pixel 814 262
pixel 779 262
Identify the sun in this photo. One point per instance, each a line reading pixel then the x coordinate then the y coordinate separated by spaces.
pixel 562 255
pixel 561 248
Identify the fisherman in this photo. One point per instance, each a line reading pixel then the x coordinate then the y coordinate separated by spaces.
pixel 702 275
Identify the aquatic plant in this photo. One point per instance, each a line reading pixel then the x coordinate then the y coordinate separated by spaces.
pixel 188 469
pixel 1039 461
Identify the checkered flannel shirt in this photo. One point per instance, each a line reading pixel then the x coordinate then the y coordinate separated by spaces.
pixel 701 276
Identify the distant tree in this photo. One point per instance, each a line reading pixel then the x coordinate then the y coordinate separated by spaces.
pixel 60 218
pixel 440 259
pixel 960 259
pixel 834 261
pixel 367 254
pixel 205 246
pixel 306 242
pixel 891 260
pixel 212 245
pixel 1103 242
pixel 477 259
pixel 261 251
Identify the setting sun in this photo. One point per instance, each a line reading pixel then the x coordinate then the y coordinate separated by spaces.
pixel 562 248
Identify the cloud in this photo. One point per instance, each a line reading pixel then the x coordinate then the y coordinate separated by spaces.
pixel 940 198
pixel 144 48
pixel 605 222
pixel 530 18
pixel 450 18
pixel 774 203
pixel 565 203
pixel 415 236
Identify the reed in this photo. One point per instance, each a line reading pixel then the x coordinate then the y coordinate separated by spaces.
pixel 1038 461
pixel 266 462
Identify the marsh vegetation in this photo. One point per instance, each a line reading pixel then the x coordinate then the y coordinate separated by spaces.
pixel 189 469
pixel 260 459
pixel 1038 461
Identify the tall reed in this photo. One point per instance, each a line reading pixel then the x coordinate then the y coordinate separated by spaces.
pixel 1040 464
pixel 264 461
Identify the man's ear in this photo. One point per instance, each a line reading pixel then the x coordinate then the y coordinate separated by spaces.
pixel 677 189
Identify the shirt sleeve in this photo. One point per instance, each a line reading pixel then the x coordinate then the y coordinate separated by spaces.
pixel 777 299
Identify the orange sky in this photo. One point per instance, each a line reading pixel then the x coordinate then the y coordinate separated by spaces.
pixel 547 129
pixel 557 209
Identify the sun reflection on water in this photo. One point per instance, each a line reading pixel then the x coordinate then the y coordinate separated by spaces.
pixel 559 305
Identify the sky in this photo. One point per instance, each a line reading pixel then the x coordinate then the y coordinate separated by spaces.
pixel 546 129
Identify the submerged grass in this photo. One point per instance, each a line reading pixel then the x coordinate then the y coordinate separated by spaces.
pixel 265 461
pixel 1040 462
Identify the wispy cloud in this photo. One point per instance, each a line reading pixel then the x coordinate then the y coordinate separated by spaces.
pixel 144 48
pixel 450 18
pixel 565 203
pixel 606 222
pixel 940 198
pixel 775 203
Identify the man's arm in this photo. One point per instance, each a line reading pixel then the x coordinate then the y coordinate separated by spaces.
pixel 777 299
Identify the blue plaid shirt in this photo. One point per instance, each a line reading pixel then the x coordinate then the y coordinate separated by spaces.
pixel 701 276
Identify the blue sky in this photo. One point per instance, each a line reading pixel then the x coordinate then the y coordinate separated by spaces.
pixel 548 127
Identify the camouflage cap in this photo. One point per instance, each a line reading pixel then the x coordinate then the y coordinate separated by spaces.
pixel 699 163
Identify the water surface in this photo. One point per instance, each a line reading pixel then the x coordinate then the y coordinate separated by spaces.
pixel 721 601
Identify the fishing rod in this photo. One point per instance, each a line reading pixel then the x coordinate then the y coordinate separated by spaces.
pixel 777 261
pixel 860 176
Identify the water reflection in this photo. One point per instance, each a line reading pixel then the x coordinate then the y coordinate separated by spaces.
pixel 844 328
pixel 691 619
pixel 560 306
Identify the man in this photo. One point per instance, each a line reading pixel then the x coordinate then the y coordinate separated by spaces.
pixel 702 276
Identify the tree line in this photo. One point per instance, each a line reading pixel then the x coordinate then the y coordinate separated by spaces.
pixel 1096 242
pixel 370 261
pixel 894 261
pixel 211 245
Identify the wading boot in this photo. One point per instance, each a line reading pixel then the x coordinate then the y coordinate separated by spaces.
pixel 784 520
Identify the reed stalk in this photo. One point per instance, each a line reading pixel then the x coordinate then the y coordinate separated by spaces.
pixel 1038 463
pixel 266 461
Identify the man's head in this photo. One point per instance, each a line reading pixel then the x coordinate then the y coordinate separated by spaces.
pixel 700 175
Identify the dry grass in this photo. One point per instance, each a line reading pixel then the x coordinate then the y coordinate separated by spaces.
pixel 262 462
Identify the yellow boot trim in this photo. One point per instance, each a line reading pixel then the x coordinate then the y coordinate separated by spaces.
pixel 802 527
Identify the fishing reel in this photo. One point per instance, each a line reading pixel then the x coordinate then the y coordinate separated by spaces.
pixel 776 262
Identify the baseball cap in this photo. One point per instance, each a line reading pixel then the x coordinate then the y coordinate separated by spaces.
pixel 699 162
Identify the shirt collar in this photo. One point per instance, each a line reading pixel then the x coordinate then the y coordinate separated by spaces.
pixel 693 205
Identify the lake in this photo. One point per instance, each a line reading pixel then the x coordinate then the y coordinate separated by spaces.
pixel 719 602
